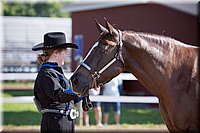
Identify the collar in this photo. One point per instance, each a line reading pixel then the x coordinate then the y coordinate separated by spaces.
pixel 53 65
pixel 50 64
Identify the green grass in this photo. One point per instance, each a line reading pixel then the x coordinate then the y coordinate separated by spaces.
pixel 13 93
pixel 133 116
pixel 20 114
pixel 141 116
pixel 26 114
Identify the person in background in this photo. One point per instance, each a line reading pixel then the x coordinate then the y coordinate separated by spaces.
pixel 53 95
pixel 97 110
pixel 111 89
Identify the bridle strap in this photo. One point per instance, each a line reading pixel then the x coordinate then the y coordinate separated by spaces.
pixel 120 38
pixel 96 74
pixel 86 66
pixel 107 65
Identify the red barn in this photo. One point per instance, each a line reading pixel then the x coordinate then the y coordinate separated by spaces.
pixel 175 20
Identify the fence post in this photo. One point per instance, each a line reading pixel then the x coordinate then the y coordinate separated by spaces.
pixel 79 120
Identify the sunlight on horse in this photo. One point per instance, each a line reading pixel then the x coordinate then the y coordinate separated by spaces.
pixel 166 67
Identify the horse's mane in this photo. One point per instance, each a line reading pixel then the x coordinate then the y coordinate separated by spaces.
pixel 160 39
pixel 152 37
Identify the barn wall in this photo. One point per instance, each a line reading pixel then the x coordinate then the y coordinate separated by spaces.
pixel 151 18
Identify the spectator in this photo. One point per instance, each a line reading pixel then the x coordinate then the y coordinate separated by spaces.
pixel 111 89
pixel 97 109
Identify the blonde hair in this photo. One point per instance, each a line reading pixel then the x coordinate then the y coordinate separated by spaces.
pixel 47 53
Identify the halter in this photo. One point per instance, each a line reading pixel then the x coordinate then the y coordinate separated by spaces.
pixel 96 74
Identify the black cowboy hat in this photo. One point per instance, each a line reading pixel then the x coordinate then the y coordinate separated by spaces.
pixel 54 40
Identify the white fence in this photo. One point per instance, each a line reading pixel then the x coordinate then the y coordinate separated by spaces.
pixel 123 99
pixel 32 76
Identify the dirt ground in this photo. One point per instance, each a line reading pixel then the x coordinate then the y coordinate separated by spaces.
pixel 91 129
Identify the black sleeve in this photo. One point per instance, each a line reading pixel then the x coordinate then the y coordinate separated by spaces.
pixel 54 89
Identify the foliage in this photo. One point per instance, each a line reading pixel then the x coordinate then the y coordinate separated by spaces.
pixel 40 9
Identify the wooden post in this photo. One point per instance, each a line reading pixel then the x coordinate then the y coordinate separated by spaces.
pixel 79 120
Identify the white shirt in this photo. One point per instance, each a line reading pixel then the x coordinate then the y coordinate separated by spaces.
pixel 111 88
pixel 94 92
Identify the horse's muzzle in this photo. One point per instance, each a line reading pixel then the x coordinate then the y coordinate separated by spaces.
pixel 74 83
pixel 79 86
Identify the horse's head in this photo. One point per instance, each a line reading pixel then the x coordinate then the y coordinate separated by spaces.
pixel 102 63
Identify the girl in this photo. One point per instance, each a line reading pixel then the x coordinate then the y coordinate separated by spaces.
pixel 51 89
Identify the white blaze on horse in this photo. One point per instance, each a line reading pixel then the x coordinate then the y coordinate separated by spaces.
pixel 166 67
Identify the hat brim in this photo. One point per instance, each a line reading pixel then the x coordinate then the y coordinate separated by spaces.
pixel 41 46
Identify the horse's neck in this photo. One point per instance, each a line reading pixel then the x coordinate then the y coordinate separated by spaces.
pixel 150 59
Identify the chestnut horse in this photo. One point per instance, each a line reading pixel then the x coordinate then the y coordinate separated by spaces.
pixel 166 67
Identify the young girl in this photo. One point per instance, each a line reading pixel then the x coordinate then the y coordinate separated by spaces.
pixel 51 89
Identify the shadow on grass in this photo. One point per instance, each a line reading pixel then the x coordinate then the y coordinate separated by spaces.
pixel 23 118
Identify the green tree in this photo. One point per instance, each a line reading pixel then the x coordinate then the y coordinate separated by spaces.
pixel 48 9
pixel 18 9
pixel 41 9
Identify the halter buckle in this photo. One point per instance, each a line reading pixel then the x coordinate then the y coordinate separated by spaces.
pixel 95 75
pixel 117 56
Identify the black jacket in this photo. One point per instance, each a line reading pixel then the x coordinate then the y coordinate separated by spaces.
pixel 50 86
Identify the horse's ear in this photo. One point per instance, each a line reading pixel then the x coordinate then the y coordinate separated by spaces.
pixel 110 28
pixel 100 28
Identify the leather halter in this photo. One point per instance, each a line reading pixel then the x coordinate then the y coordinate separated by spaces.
pixel 96 74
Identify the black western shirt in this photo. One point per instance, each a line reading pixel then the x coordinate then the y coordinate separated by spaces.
pixel 51 87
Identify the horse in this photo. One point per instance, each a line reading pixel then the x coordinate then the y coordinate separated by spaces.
pixel 167 67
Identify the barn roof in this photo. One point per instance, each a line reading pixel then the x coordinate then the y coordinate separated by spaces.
pixel 187 6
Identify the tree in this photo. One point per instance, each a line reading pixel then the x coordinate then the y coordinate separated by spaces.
pixel 41 9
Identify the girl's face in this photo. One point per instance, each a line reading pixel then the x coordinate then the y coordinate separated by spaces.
pixel 61 55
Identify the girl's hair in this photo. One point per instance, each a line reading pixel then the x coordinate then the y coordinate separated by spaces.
pixel 47 53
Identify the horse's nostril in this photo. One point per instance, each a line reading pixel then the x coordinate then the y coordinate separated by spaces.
pixel 75 81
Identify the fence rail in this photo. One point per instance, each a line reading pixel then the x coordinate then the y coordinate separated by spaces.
pixel 122 99
pixel 32 76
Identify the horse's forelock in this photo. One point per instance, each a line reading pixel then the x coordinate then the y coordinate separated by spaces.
pixel 107 39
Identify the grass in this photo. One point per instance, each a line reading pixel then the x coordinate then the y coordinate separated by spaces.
pixel 129 115
pixel 19 114
pixel 13 93
pixel 26 114
pixel 141 116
